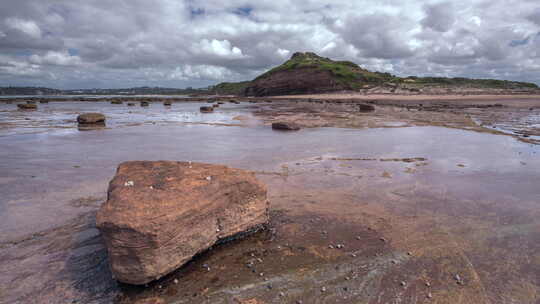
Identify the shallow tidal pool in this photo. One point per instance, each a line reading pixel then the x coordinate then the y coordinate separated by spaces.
pixel 467 204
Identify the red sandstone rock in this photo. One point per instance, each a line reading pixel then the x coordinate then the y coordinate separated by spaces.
pixel 158 215
pixel 298 81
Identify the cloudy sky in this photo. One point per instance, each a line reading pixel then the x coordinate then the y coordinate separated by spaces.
pixel 180 43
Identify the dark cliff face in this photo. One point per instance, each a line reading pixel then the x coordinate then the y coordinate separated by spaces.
pixel 297 81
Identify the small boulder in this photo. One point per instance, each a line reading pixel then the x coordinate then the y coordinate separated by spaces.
pixel 116 102
pixel 131 104
pixel 285 125
pixel 43 101
pixel 91 121
pixel 205 109
pixel 158 215
pixel 365 107
pixel 144 104
pixel 30 101
pixel 167 103
pixel 27 106
pixel 91 118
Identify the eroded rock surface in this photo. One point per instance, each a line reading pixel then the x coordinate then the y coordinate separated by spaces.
pixel 158 215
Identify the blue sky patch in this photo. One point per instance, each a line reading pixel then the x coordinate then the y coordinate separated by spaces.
pixel 515 43
pixel 243 11
pixel 196 12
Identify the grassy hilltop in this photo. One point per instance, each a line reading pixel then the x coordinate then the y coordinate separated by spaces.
pixel 347 72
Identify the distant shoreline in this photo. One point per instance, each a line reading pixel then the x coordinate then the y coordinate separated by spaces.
pixel 359 96
pixel 328 96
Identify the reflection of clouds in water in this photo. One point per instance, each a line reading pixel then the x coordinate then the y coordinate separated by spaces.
pixel 54 115
pixel 488 158
pixel 481 152
pixel 446 148
pixel 516 123
pixel 531 118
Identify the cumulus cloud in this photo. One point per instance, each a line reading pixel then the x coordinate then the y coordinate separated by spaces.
pixel 283 53
pixel 376 35
pixel 535 17
pixel 55 58
pixel 220 48
pixel 28 27
pixel 18 68
pixel 204 72
pixel 440 17
pixel 183 43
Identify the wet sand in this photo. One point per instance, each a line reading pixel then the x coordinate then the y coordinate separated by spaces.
pixel 359 214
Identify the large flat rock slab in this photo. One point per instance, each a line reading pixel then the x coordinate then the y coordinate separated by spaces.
pixel 158 215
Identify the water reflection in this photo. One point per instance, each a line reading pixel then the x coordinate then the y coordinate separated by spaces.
pixel 56 177
pixel 59 115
